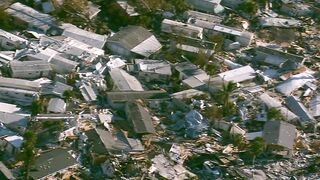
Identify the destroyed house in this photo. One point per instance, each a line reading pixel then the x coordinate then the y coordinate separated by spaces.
pixel 57 62
pixel 294 82
pixel 271 102
pixel 297 107
pixel 10 41
pixel 117 99
pixel 276 57
pixel 158 70
pixel 139 117
pixel 280 134
pixel 52 162
pixel 315 106
pixel 279 22
pixel 71 47
pixel 243 37
pixel 34 19
pixel 29 69
pixel 134 40
pixel 191 75
pixel 194 51
pixel 202 16
pixel 181 29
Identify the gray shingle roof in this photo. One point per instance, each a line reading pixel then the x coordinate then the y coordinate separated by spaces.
pixel 279 133
pixel 130 36
pixel 140 118
pixel 51 162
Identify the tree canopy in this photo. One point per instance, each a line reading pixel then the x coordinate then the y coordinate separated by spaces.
pixel 248 6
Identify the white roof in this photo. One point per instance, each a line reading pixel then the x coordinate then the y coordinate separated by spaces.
pixel 16 141
pixel 239 75
pixel 115 62
pixel 90 38
pixel 147 47
pixel 125 81
pixel 294 82
pixel 56 105
pixel 8 108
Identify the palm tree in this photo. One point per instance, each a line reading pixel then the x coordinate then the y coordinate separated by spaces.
pixel 224 97
pixel 28 152
pixel 256 147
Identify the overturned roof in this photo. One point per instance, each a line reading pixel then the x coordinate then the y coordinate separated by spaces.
pixel 279 133
pixel 140 118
